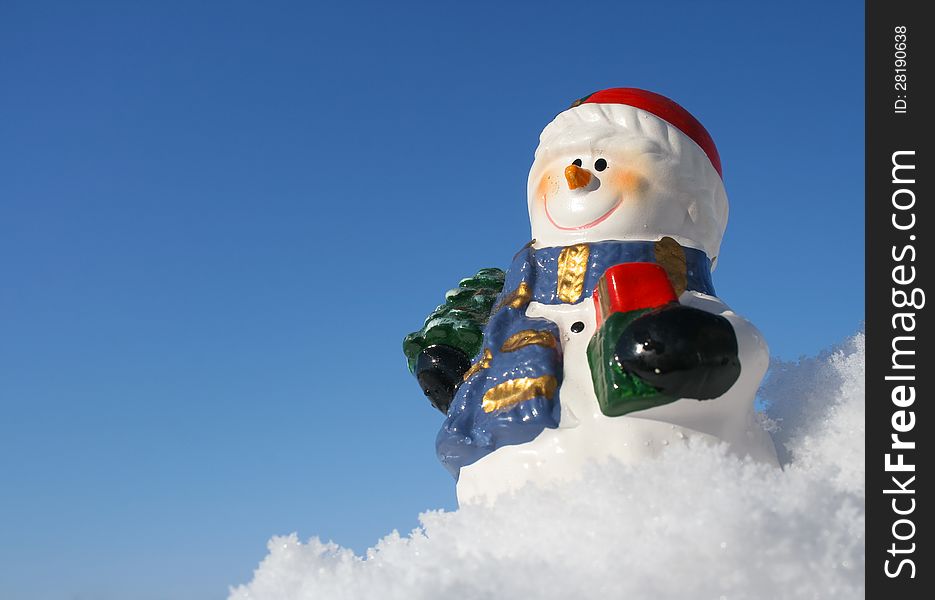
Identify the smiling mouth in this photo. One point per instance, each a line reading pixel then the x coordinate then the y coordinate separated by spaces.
pixel 596 221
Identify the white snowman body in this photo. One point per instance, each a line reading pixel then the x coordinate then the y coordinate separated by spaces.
pixel 611 171
pixel 585 434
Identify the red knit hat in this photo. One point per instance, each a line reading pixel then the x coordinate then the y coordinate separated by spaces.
pixel 665 109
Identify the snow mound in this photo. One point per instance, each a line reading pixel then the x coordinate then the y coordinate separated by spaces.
pixel 696 523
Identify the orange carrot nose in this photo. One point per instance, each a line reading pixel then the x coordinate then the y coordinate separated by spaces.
pixel 577 177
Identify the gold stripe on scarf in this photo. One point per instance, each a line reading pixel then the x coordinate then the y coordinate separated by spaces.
pixel 572 267
pixel 528 337
pixel 512 392
pixel 671 256
pixel 518 298
pixel 480 365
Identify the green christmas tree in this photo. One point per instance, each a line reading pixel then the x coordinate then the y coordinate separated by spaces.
pixel 459 322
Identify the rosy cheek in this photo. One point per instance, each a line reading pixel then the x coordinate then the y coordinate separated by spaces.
pixel 545 187
pixel 631 183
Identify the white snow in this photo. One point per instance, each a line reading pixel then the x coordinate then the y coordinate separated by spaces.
pixel 695 523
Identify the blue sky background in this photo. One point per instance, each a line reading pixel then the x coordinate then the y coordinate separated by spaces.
pixel 219 219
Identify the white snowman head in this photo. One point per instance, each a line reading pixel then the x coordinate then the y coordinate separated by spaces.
pixel 627 164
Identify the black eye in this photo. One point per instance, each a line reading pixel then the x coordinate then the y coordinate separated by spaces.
pixel 576 162
pixel 600 164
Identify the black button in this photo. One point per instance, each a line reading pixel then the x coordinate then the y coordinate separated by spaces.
pixel 577 327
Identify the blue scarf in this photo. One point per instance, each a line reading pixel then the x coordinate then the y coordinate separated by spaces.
pixel 511 393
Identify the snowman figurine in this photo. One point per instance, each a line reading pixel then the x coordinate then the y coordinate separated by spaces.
pixel 604 339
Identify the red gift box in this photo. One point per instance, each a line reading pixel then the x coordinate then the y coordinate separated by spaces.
pixel 632 286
